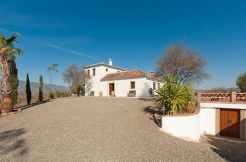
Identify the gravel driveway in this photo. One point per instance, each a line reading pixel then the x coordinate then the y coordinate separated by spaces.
pixel 101 129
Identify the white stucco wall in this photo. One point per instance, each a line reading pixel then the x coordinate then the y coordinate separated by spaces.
pixel 208 115
pixel 191 127
pixel 95 81
pixel 207 121
pixel 185 127
pixel 122 87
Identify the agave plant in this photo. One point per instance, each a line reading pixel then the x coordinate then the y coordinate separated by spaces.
pixel 173 96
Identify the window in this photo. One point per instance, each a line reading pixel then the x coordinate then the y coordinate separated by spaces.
pixel 94 72
pixel 132 85
pixel 88 72
pixel 106 69
pixel 159 85
pixel 154 86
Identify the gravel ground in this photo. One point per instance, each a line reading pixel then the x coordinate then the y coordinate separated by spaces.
pixel 101 129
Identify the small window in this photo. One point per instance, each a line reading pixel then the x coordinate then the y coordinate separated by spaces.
pixel 88 72
pixel 132 85
pixel 94 72
pixel 159 85
pixel 154 86
pixel 106 69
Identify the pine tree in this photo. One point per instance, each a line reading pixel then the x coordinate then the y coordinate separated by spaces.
pixel 14 82
pixel 28 90
pixel 41 86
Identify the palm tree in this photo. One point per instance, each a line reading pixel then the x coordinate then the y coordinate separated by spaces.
pixel 7 52
pixel 52 69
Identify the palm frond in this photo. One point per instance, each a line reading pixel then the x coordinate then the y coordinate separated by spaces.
pixel 11 40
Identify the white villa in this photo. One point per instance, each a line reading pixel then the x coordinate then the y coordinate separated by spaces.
pixel 109 80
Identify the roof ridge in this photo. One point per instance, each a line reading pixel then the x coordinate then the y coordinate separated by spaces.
pixel 104 64
pixel 135 73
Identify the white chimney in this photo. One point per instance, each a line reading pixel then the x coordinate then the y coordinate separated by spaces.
pixel 110 62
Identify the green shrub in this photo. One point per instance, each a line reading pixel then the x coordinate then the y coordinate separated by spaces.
pixel 173 96
pixel 51 95
pixel 58 94
pixel 65 94
pixel 241 82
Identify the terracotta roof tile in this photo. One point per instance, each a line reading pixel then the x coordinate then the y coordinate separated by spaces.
pixel 130 74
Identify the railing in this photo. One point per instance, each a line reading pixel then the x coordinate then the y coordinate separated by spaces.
pixel 233 97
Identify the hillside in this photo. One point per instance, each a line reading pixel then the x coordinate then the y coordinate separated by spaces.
pixel 35 87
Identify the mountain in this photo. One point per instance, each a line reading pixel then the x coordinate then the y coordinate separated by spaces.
pixel 35 88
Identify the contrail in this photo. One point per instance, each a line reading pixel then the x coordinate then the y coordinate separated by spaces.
pixel 69 51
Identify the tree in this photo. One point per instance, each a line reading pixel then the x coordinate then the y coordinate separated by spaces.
pixel 173 96
pixel 52 70
pixel 28 90
pixel 7 52
pixel 75 76
pixel 14 82
pixel 41 87
pixel 241 82
pixel 187 65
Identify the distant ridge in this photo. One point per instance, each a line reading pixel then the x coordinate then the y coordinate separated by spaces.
pixel 35 87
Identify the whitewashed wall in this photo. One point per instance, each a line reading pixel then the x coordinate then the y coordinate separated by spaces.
pixel 122 87
pixel 96 84
pixel 208 121
pixel 185 127
pixel 191 127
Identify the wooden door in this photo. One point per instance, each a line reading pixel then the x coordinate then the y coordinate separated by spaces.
pixel 111 88
pixel 230 123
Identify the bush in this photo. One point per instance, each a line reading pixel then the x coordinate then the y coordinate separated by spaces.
pixel 51 95
pixel 60 94
pixel 241 82
pixel 65 94
pixel 173 96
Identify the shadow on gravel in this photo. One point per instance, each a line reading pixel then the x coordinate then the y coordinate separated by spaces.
pixel 31 105
pixel 156 114
pixel 234 151
pixel 12 143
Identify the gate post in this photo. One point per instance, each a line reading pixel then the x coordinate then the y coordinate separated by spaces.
pixel 233 96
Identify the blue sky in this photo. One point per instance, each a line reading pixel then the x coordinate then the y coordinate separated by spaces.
pixel 133 33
